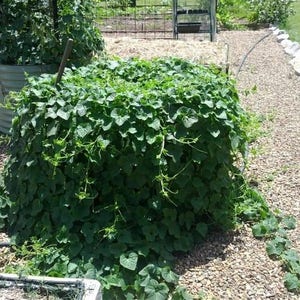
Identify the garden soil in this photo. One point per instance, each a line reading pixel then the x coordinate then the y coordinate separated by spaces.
pixel 235 265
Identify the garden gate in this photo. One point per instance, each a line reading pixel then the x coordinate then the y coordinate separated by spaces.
pixel 194 16
pixel 157 18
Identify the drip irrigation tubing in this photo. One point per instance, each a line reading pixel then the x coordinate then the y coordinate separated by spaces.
pixel 250 50
pixel 242 168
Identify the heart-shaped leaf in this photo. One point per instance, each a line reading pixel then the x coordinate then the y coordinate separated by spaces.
pixel 129 260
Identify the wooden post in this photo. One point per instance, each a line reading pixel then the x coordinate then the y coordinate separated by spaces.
pixel 64 59
pixel 174 19
pixel 213 21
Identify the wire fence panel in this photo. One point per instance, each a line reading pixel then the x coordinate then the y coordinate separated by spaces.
pixel 142 18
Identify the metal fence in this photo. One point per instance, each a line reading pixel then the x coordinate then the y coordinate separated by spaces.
pixel 142 18
pixel 158 18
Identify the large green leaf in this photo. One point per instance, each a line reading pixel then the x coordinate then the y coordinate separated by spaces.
pixel 83 129
pixel 63 114
pixel 156 291
pixel 129 260
pixel 169 276
pixel 202 228
pixel 266 227
pixel 288 222
pixel 276 246
pixel 292 282
pixel 120 116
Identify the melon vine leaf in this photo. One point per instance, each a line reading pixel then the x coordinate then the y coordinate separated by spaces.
pixel 129 260
pixel 288 222
pixel 156 291
pixel 277 246
pixel 202 228
pixel 292 282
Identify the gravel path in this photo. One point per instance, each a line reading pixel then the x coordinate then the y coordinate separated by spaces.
pixel 235 265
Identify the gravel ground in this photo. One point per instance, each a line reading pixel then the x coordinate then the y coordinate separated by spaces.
pixel 235 265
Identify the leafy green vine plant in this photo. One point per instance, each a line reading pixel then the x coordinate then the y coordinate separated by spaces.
pixel 272 226
pixel 274 230
pixel 124 164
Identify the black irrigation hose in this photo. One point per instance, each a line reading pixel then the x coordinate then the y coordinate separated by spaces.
pixel 242 168
pixel 251 49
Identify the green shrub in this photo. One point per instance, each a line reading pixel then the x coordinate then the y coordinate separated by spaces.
pixel 230 12
pixel 271 11
pixel 122 3
pixel 126 162
pixel 30 35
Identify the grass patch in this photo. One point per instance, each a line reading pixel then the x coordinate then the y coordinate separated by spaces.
pixel 293 24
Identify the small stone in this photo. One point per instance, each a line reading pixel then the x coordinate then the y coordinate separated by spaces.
pixel 296 66
pixel 292 50
pixel 270 295
pixel 296 54
pixel 278 31
pixel 282 36
pixel 286 43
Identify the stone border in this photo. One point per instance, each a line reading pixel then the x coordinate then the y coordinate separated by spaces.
pixel 291 48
